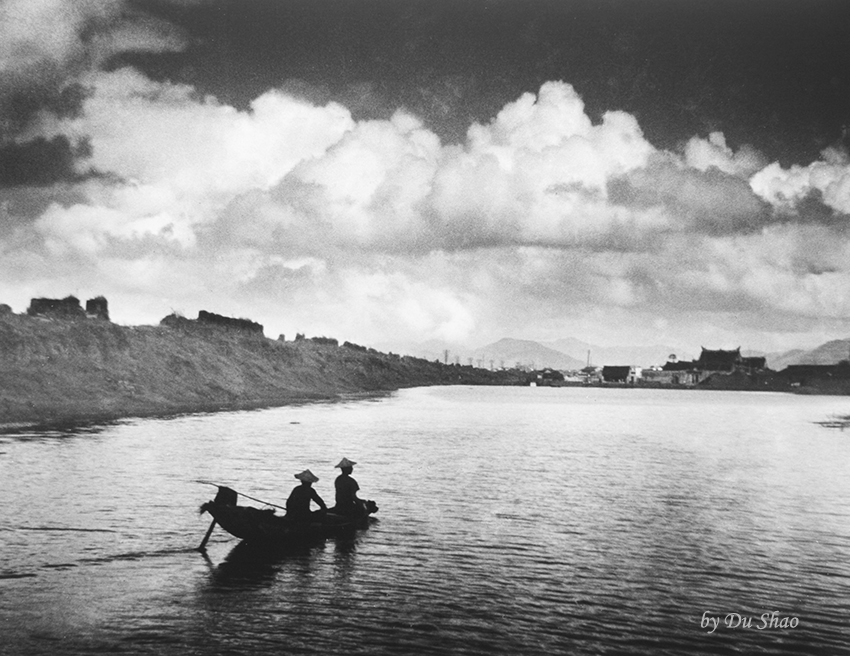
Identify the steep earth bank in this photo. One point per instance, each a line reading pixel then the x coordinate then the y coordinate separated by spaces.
pixel 78 370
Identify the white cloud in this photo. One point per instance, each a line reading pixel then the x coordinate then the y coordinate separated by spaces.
pixel 702 154
pixel 301 218
pixel 161 133
pixel 178 159
pixel 88 229
pixel 539 173
pixel 137 34
pixel 368 189
pixel 420 305
pixel 785 188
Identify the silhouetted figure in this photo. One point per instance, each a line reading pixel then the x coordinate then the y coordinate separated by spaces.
pixel 347 502
pixel 298 503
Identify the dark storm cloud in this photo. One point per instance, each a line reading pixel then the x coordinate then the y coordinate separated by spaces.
pixel 39 162
pixel 45 45
pixel 813 209
pixel 21 207
pixel 710 202
pixel 774 74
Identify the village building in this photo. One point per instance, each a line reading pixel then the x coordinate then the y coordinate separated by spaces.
pixel 591 375
pixel 666 376
pixel 710 363
pixel 623 374
pixel 546 378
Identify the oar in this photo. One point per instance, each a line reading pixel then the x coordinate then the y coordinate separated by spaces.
pixel 225 496
pixel 203 545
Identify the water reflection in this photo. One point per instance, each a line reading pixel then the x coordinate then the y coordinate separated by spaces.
pixel 345 561
pixel 9 432
pixel 67 428
pixel 249 566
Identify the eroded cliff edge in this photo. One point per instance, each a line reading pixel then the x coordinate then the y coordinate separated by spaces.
pixel 66 371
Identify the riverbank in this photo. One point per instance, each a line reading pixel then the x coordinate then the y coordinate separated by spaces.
pixel 68 371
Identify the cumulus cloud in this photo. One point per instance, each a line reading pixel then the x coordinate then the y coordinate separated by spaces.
pixel 299 216
pixel 536 174
pixel 159 132
pixel 290 177
pixel 703 154
pixel 827 179
pixel 367 191
pixel 169 161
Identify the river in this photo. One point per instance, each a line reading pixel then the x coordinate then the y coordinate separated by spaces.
pixel 512 521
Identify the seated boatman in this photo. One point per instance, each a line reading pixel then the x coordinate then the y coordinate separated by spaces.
pixel 298 503
pixel 347 502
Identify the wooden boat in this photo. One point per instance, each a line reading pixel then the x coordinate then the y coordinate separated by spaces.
pixel 264 527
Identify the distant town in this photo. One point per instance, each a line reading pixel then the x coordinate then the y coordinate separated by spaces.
pixel 713 369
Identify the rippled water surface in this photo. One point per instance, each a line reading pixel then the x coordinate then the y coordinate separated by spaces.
pixel 512 521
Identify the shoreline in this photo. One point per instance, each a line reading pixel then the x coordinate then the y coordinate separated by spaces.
pixel 71 421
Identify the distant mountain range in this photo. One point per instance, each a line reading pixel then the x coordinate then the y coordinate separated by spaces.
pixel 511 352
pixel 572 354
pixel 831 352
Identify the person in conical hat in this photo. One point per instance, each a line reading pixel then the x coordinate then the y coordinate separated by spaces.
pixel 347 502
pixel 307 477
pixel 298 503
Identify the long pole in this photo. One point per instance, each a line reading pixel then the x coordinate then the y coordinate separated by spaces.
pixel 203 546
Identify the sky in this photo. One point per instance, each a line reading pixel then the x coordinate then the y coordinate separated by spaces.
pixel 393 172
